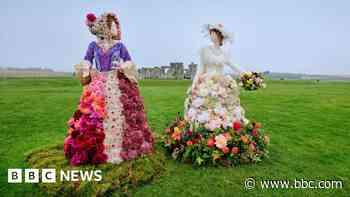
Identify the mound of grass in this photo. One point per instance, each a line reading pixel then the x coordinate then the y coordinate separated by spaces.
pixel 117 180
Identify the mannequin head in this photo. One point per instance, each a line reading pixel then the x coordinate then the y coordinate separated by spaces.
pixel 216 37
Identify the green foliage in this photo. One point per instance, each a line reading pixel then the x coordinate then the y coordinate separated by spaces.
pixel 116 179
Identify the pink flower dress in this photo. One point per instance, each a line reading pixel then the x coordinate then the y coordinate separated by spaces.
pixel 110 124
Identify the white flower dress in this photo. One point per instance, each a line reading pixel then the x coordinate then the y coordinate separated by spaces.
pixel 213 98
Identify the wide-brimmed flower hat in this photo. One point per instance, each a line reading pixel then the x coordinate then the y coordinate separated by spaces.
pixel 228 36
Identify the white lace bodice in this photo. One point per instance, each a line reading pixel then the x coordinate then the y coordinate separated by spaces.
pixel 213 60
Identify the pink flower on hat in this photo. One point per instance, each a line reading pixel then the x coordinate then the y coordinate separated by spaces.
pixel 91 17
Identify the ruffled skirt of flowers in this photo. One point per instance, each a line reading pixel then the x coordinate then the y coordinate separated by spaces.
pixel 214 129
pixel 110 123
pixel 214 102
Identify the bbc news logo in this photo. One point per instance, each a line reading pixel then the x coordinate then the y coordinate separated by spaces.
pixel 50 175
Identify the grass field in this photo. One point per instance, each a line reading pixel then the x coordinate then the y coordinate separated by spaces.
pixel 308 124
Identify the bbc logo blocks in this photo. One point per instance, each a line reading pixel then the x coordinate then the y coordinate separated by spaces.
pixel 14 175
pixel 31 175
pixel 49 175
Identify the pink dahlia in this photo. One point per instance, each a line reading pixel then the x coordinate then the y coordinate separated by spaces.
pixel 91 17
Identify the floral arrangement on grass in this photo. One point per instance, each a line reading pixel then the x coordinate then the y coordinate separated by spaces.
pixel 251 80
pixel 233 145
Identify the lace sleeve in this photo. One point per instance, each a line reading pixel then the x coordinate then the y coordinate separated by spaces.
pixel 235 67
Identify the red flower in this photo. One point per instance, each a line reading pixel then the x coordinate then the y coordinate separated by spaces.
pixel 74 133
pixel 100 136
pixel 236 125
pixel 77 114
pixel 189 143
pixel 79 158
pixel 189 133
pixel 91 17
pixel 90 142
pixel 99 158
pixel 68 146
pixel 235 150
pixel 225 150
pixel 211 142
pixel 100 148
pixel 255 132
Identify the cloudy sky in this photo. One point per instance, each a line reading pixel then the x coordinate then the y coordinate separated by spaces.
pixel 282 36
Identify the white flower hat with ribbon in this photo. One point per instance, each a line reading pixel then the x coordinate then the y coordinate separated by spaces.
pixel 228 36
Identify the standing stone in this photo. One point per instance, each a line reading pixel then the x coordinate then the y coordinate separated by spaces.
pixel 192 70
pixel 177 70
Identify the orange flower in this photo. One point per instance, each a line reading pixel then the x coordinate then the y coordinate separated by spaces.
pixel 177 130
pixel 176 136
pixel 85 110
pixel 257 125
pixel 211 142
pixel 245 139
pixel 99 100
pixel 86 91
pixel 181 124
pixel 189 143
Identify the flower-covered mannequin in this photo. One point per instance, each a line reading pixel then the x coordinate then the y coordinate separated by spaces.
pixel 214 129
pixel 110 123
pixel 213 98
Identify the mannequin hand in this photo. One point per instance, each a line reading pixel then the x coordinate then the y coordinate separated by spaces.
pixel 120 69
pixel 93 72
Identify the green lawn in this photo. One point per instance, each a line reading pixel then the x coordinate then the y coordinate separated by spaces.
pixel 308 124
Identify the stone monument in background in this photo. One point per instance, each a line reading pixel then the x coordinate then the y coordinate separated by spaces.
pixel 175 70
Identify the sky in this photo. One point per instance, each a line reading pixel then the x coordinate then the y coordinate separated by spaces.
pixel 297 36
